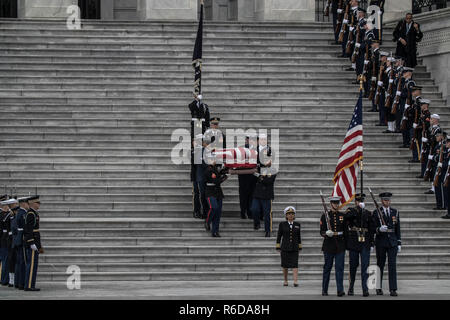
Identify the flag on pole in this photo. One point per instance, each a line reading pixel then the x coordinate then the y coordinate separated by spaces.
pixel 345 175
pixel 197 57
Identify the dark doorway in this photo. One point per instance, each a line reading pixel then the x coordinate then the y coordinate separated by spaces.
pixel 8 8
pixel 90 9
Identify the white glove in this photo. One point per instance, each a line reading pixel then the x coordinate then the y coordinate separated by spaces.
pixel 430 157
pixel 339 10
pixel 414 125
pixel 358 45
pixel 383 228
pixel 256 174
pixel 330 233
pixel 440 165
pixel 399 248
pixel 33 247
pixel 351 29
pixel 371 249
pixel 362 205
pixel 424 140
pixel 200 97
pixel 407 106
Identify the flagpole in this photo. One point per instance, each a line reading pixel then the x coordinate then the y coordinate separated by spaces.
pixel 361 79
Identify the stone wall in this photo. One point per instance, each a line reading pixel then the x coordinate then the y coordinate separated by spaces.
pixel 43 8
pixel 434 48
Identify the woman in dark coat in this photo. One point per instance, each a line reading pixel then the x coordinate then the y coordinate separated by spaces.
pixel 291 243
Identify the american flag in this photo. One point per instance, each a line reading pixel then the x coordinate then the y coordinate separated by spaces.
pixel 345 175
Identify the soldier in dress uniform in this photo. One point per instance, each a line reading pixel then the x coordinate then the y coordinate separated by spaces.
pixel 406 92
pixel 214 177
pixel 200 204
pixel 5 253
pixel 387 78
pixel 289 235
pixel 12 254
pixel 388 241
pixel 200 115
pixel 413 117
pixel 352 18
pixel 425 121
pixel 332 229
pixel 32 239
pixel 434 130
pixel 446 165
pixel 441 196
pixel 247 183
pixel 383 63
pixel 17 229
pixel 360 241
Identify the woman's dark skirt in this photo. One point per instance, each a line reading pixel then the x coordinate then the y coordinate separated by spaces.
pixel 289 259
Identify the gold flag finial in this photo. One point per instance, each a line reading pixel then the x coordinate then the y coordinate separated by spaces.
pixel 361 79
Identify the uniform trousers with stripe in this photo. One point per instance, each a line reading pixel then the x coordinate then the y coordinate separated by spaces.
pixel 392 264
pixel 264 206
pixel 339 258
pixel 215 213
pixel 19 277
pixel 4 255
pixel 31 267
pixel 354 264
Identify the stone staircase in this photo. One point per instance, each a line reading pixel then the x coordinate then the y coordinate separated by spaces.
pixel 88 117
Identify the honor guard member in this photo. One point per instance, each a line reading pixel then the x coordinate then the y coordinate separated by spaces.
pixel 380 95
pixel 5 253
pixel 17 228
pixel 32 239
pixel 289 235
pixel 333 246
pixel 214 133
pixel 200 116
pixel 413 117
pixel 360 241
pixel 388 76
pixel 12 255
pixel 434 130
pixel 200 205
pixel 445 173
pixel 214 177
pixel 388 241
pixel 334 7
pixel 247 183
pixel 380 4
pixel 441 196
pixel 358 65
pixel 406 93
pixel 352 18
pixel 425 121
pixel 373 70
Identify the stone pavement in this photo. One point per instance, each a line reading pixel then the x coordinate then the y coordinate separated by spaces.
pixel 221 290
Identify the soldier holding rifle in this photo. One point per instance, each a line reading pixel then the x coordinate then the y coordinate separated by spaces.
pixel 424 124
pixel 431 140
pixel 446 179
pixel 438 159
pixel 413 119
pixel 332 229
pixel 360 241
pixel 388 239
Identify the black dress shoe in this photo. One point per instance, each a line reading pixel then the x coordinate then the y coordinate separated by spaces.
pixel 429 192
pixel 388 131
pixel 21 288
pixel 446 217
pixel 4 284
pixel 256 227
pixel 349 69
pixel 413 161
pixel 397 131
pixel 379 292
pixel 32 289
pixel 207 227
pixel 324 293
pixel 10 285
pixel 393 293
pixel 295 284
pixel 341 294
pixel 217 235
pixel 267 235
pixel 243 216
pixel 350 292
pixel 366 294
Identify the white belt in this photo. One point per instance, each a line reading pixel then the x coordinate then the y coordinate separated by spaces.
pixel 19 229
pixel 202 119
pixel 10 233
pixel 5 230
pixel 211 184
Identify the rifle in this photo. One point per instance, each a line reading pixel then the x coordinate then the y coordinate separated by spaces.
pixel 427 174
pixel 447 178
pixel 366 60
pixel 339 17
pixel 379 87
pixel 344 25
pixel 325 211
pixel 390 88
pixel 373 84
pixel 348 48
pixel 380 216
pixel 357 44
pixel 439 169
pixel 405 113
pixel 326 13
pixel 397 94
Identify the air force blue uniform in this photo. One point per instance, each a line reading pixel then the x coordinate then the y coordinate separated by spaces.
pixel 17 225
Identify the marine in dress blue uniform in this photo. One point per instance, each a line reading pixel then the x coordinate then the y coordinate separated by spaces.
pixel 32 240
pixel 5 243
pixel 17 230
pixel 388 241
pixel 333 246
pixel 12 254
pixel 361 229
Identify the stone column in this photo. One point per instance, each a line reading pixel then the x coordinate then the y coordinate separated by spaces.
pixel 167 9
pixel 285 10
pixel 395 10
pixel 43 8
